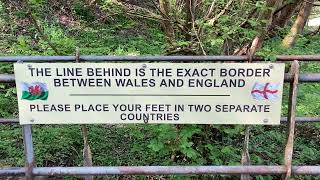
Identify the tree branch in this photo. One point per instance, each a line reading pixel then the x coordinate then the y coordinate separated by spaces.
pixel 210 11
pixel 213 20
pixel 194 29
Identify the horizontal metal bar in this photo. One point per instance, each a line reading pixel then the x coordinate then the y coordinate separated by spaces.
pixel 306 170
pixel 8 121
pixel 160 170
pixel 302 119
pixel 309 77
pixel 12 171
pixel 298 58
pixel 283 120
pixel 155 58
pixel 7 78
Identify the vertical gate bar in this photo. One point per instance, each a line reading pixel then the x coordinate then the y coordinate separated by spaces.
pixel 291 117
pixel 87 155
pixel 245 157
pixel 86 149
pixel 28 151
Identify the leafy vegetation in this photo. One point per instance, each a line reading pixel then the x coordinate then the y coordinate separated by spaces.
pixel 116 32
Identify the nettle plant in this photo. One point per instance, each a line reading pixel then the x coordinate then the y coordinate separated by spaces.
pixel 196 144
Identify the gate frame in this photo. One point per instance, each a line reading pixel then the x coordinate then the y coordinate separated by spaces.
pixel 293 77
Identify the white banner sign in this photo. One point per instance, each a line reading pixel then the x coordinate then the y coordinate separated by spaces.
pixel 175 93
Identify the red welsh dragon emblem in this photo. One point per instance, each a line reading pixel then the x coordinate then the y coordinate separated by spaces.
pixel 35 90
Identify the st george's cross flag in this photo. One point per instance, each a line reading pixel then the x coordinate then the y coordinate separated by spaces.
pixel 265 91
pixel 34 90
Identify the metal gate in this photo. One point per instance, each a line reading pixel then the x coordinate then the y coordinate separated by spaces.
pixel 293 77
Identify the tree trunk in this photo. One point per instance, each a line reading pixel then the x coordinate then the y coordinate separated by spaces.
pixel 190 11
pixel 166 24
pixel 298 25
pixel 285 15
pixel 268 15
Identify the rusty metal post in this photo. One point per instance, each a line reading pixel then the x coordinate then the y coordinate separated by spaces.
pixel 245 157
pixel 87 155
pixel 291 118
pixel 28 151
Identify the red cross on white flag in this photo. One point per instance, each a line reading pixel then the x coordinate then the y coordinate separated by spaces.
pixel 265 91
